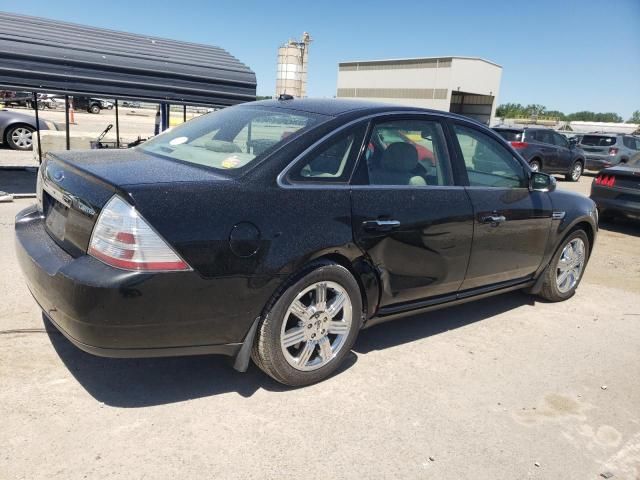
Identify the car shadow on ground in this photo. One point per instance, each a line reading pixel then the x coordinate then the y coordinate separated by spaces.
pixel 413 328
pixel 135 383
pixel 18 180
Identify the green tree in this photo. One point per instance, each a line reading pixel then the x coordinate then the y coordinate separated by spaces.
pixel 635 117
pixel 535 110
pixel 510 110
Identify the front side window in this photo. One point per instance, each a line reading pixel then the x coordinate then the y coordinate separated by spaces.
pixel 232 138
pixel 560 140
pixel 407 152
pixel 488 163
pixel 545 136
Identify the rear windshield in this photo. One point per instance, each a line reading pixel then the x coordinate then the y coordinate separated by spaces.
pixel 232 138
pixel 598 141
pixel 510 135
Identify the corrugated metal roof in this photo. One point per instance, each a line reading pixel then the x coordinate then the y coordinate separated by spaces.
pixel 60 57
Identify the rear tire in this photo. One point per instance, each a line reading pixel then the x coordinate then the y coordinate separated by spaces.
pixel 576 172
pixel 94 109
pixel 302 312
pixel 566 268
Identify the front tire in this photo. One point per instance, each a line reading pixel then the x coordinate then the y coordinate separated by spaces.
pixel 94 109
pixel 566 268
pixel 20 137
pixel 306 333
pixel 576 172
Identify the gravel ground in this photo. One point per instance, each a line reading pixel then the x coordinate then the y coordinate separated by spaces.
pixel 503 388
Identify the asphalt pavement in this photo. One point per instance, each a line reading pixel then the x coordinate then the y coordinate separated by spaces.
pixel 503 388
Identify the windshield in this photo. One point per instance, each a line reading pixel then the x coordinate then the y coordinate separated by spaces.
pixel 232 138
pixel 597 141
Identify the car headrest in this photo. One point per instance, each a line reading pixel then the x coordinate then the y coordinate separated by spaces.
pixel 400 157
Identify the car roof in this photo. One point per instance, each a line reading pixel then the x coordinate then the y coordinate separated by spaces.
pixel 521 129
pixel 335 107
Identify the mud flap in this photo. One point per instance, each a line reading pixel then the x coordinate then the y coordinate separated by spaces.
pixel 241 363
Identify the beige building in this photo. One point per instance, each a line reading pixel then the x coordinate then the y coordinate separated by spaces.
pixel 293 57
pixel 464 85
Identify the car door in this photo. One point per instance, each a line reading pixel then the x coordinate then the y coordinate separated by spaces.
pixel 511 223
pixel 409 217
pixel 564 152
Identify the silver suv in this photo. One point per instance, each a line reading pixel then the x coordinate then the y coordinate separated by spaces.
pixel 604 150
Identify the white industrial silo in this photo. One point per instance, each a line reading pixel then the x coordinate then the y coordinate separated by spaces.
pixel 291 78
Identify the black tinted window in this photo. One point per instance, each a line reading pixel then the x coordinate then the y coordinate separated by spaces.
pixel 560 140
pixel 598 141
pixel 545 136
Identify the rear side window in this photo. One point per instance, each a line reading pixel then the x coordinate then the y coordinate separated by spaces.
pixel 631 143
pixel 488 163
pixel 332 161
pixel 510 135
pixel 598 141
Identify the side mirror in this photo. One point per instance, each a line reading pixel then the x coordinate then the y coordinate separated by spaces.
pixel 573 142
pixel 541 182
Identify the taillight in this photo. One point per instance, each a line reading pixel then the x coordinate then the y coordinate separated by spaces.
pixel 606 180
pixel 123 239
pixel 613 151
pixel 519 145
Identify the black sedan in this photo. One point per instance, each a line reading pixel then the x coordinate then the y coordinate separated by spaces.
pixel 616 190
pixel 277 230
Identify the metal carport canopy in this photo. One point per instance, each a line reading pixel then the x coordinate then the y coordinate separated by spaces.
pixel 43 55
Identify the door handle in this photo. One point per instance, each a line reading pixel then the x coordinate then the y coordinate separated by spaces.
pixel 494 219
pixel 380 225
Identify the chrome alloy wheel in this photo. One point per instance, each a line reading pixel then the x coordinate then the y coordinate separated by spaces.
pixel 570 265
pixel 22 137
pixel 576 172
pixel 316 326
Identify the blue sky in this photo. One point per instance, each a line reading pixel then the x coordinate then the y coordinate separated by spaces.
pixel 568 55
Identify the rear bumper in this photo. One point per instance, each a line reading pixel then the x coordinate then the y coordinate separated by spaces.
pixel 115 313
pixel 608 200
pixel 598 162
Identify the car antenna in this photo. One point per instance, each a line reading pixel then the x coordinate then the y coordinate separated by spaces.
pixel 285 96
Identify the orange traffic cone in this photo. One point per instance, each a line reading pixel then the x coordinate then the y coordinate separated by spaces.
pixel 72 118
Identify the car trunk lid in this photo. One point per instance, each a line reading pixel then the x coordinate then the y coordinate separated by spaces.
pixel 74 186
